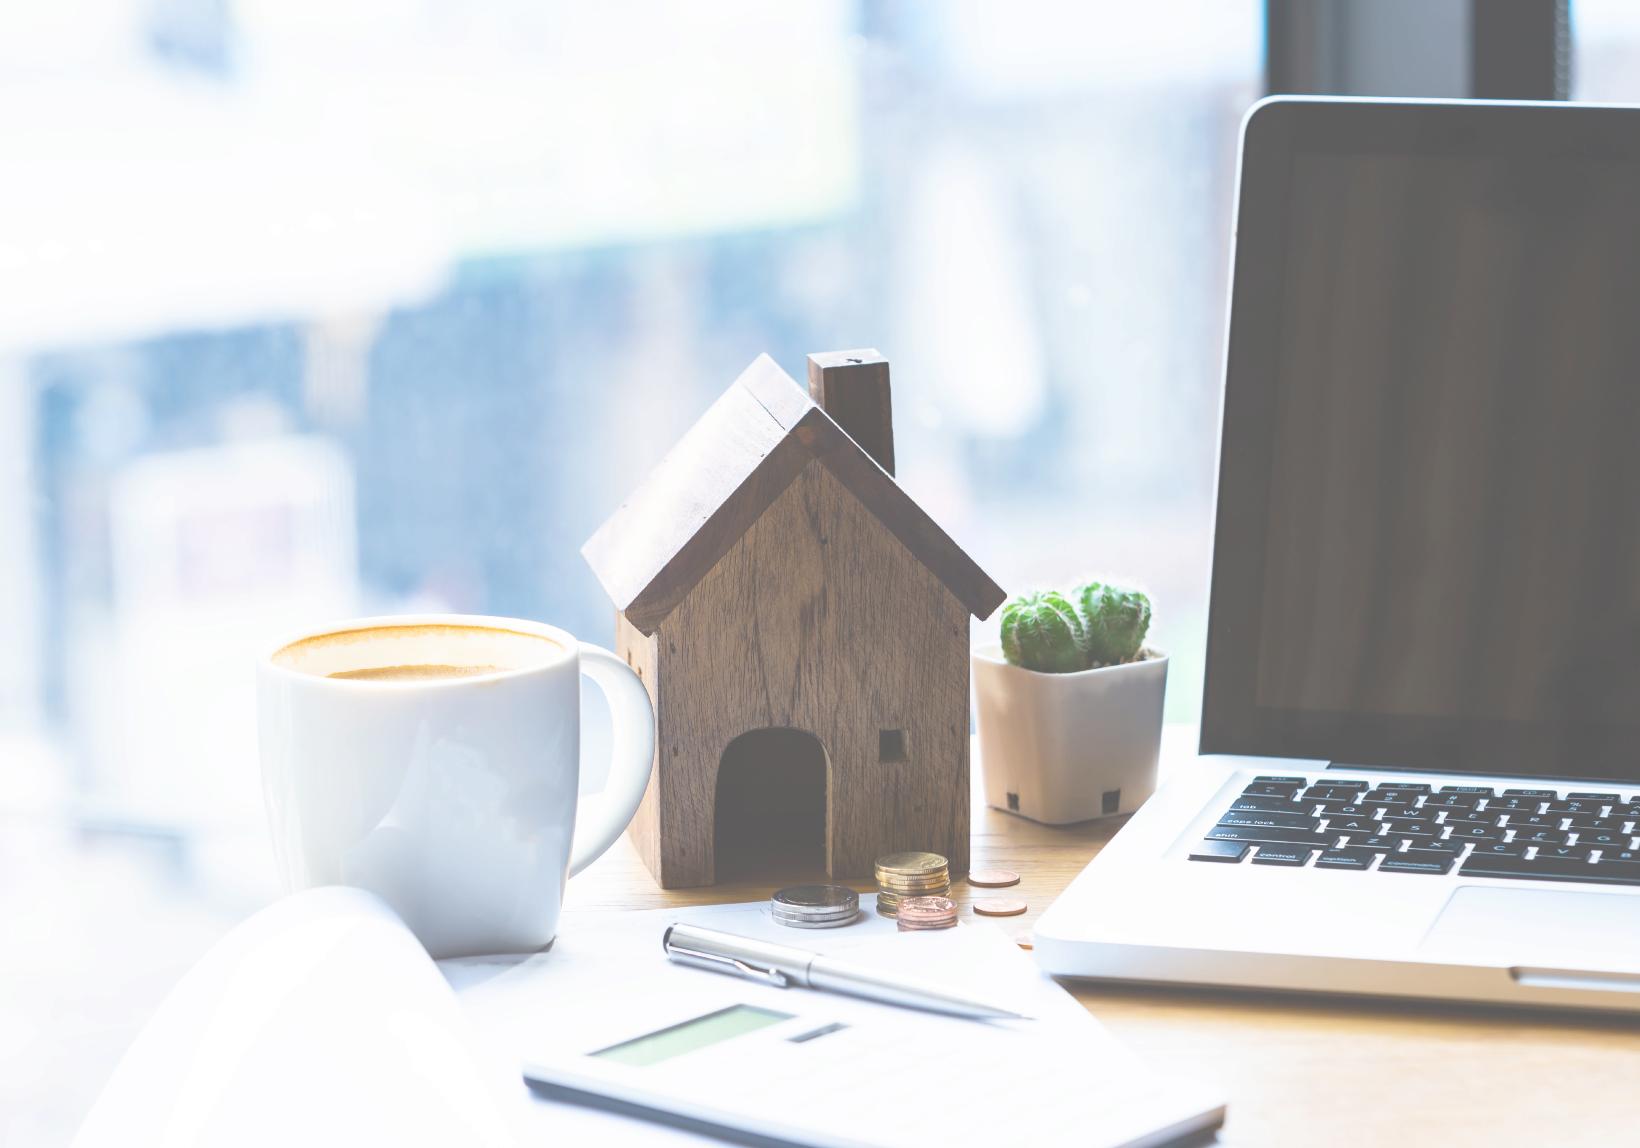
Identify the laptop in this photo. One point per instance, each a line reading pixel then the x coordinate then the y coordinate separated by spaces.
pixel 1419 770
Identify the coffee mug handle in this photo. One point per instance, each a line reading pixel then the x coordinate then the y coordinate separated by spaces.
pixel 602 817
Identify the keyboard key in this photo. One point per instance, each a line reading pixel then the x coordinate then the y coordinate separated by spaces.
pixel 1410 814
pixel 1472 819
pixel 1273 788
pixel 1612 872
pixel 1365 825
pixel 1417 830
pixel 1501 866
pixel 1343 783
pixel 1587 808
pixel 1623 855
pixel 1614 824
pixel 1530 793
pixel 1345 859
pixel 1526 821
pixel 1264 777
pixel 1498 849
pixel 1392 843
pixel 1454 800
pixel 1282 854
pixel 1409 819
pixel 1540 837
pixel 1563 853
pixel 1274 836
pixel 1274 805
pixel 1225 851
pixel 1479 790
pixel 1522 806
pixel 1630 811
pixel 1323 792
pixel 1398 796
pixel 1346 809
pixel 1417 861
pixel 1271 820
pixel 1607 798
pixel 1476 833
pixel 1604 840
pixel 1537 869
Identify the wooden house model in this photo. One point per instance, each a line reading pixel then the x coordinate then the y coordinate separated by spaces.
pixel 771 575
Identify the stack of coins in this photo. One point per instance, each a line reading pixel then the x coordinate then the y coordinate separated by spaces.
pixel 902 875
pixel 926 913
pixel 815 906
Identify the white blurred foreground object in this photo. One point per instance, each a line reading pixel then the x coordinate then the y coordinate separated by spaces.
pixel 319 1021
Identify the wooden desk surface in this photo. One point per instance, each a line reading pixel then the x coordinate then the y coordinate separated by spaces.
pixel 1300 1071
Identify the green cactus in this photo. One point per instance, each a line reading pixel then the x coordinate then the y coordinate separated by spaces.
pixel 1114 621
pixel 1041 631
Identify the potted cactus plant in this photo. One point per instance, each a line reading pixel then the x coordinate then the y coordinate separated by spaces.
pixel 1070 705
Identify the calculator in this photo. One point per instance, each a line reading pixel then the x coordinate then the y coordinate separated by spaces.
pixel 794 1067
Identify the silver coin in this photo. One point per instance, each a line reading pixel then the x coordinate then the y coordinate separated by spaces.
pixel 827 923
pixel 830 910
pixel 838 916
pixel 816 898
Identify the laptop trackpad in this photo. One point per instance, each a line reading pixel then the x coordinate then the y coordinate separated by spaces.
pixel 1541 926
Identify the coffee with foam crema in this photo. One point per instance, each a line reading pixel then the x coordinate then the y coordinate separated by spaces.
pixel 413 673
pixel 417 652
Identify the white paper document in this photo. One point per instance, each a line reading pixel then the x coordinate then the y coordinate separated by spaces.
pixel 829 1069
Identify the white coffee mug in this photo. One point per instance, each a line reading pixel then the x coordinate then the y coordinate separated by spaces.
pixel 440 772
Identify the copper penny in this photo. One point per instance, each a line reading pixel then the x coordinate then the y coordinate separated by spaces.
pixel 999 907
pixel 1025 940
pixel 926 913
pixel 993 878
pixel 927 907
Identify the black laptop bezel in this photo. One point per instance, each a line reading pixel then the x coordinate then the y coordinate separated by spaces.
pixel 1274 132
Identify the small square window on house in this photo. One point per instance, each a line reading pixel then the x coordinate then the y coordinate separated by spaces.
pixel 891 745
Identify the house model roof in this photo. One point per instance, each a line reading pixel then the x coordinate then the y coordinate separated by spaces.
pixel 725 472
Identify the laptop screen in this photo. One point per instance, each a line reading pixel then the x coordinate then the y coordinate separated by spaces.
pixel 1449 557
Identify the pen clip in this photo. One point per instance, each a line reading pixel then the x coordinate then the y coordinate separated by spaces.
pixel 718 963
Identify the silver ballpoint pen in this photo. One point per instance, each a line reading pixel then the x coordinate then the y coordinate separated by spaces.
pixel 783 966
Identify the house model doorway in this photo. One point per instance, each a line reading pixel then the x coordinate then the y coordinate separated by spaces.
pixel 770 807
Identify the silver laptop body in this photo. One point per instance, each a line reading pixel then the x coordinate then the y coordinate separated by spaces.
pixel 1420 749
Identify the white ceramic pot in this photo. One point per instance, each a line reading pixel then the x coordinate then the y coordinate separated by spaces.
pixel 1062 748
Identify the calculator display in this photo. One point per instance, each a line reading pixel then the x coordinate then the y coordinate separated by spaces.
pixel 713 1028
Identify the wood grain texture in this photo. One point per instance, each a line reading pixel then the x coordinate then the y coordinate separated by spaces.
pixel 874 487
pixel 694 505
pixel 1300 1071
pixel 899 513
pixel 779 393
pixel 821 620
pixel 853 388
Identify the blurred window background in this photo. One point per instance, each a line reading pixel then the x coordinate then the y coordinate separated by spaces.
pixel 319 308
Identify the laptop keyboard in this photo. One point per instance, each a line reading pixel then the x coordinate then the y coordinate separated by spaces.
pixel 1340 823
